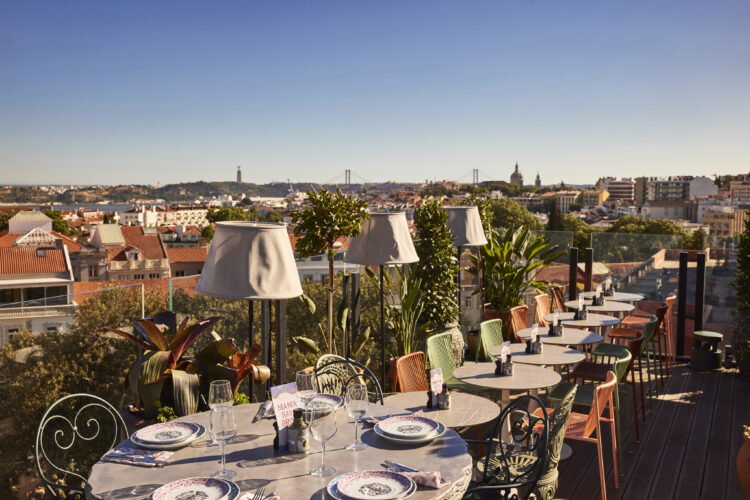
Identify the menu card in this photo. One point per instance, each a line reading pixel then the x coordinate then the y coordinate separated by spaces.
pixel 534 332
pixel 580 302
pixel 436 384
pixel 504 351
pixel 556 317
pixel 285 400
pixel 598 291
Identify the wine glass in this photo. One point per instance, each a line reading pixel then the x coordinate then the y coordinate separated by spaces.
pixel 223 428
pixel 307 387
pixel 356 403
pixel 322 420
pixel 220 395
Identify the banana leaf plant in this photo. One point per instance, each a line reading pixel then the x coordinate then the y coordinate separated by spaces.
pixel 166 374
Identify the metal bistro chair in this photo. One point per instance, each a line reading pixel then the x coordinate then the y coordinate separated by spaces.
pixel 490 335
pixel 74 433
pixel 516 452
pixel 335 375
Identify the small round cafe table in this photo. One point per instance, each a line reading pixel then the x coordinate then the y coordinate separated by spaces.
pixel 570 336
pixel 252 456
pixel 618 296
pixel 610 306
pixel 467 410
pixel 524 378
pixel 552 355
pixel 594 320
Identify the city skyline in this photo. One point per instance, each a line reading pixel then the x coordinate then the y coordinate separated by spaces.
pixel 141 93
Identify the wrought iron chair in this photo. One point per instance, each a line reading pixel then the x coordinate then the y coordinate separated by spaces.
pixel 516 451
pixel 334 376
pixel 74 433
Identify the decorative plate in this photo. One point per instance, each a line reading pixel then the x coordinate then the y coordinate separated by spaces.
pixel 439 432
pixel 408 426
pixel 166 432
pixel 194 488
pixel 331 399
pixel 170 446
pixel 374 485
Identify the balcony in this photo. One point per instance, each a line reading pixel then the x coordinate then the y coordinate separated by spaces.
pixel 37 311
pixel 138 265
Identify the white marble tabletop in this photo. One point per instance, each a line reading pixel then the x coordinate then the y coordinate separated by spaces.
pixel 466 409
pixel 594 320
pixel 570 336
pixel 525 377
pixel 552 355
pixel 610 306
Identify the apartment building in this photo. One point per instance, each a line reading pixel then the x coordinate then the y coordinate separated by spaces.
pixel 133 252
pixel 619 189
pixel 593 197
pixel 724 221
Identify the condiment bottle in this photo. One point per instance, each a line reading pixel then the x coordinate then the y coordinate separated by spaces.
pixel 298 434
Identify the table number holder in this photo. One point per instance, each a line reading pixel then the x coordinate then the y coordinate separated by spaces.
pixel 504 365
pixel 436 386
pixel 534 345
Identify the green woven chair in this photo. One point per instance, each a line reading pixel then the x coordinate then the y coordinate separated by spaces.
pixel 490 335
pixel 440 355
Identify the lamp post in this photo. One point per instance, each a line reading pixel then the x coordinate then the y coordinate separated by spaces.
pixel 385 240
pixel 251 261
pixel 466 226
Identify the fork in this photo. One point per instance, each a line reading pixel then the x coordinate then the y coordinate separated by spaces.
pixel 259 493
pixel 394 467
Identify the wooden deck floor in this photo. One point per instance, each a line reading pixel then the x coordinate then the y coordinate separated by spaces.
pixel 688 445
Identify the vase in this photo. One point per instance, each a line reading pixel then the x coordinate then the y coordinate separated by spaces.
pixel 743 465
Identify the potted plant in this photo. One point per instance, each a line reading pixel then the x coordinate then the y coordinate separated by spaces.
pixel 743 462
pixel 741 284
pixel 509 263
pixel 328 217
pixel 167 376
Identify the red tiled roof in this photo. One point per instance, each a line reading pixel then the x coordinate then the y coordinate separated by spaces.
pixel 160 285
pixel 150 245
pixel 187 254
pixel 8 239
pixel 24 260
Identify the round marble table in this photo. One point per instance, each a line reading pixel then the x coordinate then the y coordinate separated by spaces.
pixel 466 409
pixel 552 355
pixel 570 336
pixel 525 377
pixel 252 457
pixel 618 296
pixel 610 306
pixel 594 320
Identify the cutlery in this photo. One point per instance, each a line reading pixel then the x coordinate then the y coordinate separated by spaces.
pixel 399 467
pixel 262 411
pixel 259 493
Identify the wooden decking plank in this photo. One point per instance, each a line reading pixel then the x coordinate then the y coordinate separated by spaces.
pixel 717 458
pixel 694 460
pixel 666 475
pixel 740 416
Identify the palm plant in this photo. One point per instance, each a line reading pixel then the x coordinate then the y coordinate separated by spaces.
pixel 510 262
pixel 165 365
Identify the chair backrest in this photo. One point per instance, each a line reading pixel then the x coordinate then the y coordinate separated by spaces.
pixel 74 433
pixel 458 345
pixel 518 321
pixel 334 376
pixel 528 423
pixel 558 423
pixel 490 335
pixel 410 373
pixel 648 332
pixel 668 320
pixel 558 300
pixel 542 308
pixel 635 345
pixel 440 353
pixel 602 397
pixel 621 362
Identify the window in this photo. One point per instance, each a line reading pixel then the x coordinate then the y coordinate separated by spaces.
pixel 153 276
pixel 139 276
pixel 93 271
pixel 51 329
pixel 467 302
pixel 179 273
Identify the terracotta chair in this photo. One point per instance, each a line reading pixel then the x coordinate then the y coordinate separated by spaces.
pixel 518 321
pixel 410 373
pixel 542 309
pixel 558 300
pixel 669 334
pixel 637 320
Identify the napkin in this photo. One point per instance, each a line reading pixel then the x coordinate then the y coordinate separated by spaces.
pixel 138 456
pixel 373 420
pixel 428 479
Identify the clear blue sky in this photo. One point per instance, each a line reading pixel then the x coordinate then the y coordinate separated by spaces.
pixel 146 91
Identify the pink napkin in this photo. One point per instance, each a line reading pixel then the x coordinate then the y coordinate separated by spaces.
pixel 428 479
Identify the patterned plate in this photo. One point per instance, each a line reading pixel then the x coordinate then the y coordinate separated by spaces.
pixel 408 426
pixel 171 446
pixel 374 485
pixel 331 399
pixel 194 488
pixel 166 432
pixel 411 442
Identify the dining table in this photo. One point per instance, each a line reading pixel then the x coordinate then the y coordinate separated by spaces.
pixel 609 306
pixel 594 320
pixel 551 355
pixel 467 410
pixel 570 336
pixel 252 456
pixel 525 378
pixel 617 296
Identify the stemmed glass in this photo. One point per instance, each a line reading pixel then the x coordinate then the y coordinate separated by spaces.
pixel 222 425
pixel 322 420
pixel 356 403
pixel 307 387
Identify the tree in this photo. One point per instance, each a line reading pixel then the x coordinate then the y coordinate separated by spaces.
pixel 208 232
pixel 328 217
pixel 58 223
pixel 641 225
pixel 696 241
pixel 741 284
pixel 273 216
pixel 581 231
pixel 555 222
pixel 507 213
pixel 437 267
pixel 226 213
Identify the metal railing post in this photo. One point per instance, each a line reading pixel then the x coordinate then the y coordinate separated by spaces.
pixel 573 274
pixel 281 340
pixel 143 300
pixel 589 270
pixel 682 303
pixel 700 290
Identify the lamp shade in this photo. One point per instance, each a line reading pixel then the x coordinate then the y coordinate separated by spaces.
pixel 385 239
pixel 466 226
pixel 248 260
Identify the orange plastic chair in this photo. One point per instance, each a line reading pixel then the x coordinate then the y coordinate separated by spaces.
pixel 542 308
pixel 410 373
pixel 518 321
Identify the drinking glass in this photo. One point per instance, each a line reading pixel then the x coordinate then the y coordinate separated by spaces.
pixel 356 403
pixel 220 395
pixel 322 420
pixel 307 387
pixel 223 428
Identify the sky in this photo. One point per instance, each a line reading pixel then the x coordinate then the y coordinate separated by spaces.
pixel 142 92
